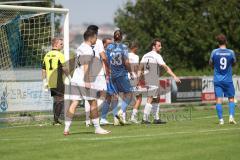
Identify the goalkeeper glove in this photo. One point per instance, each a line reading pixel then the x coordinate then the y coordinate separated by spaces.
pixel 45 85
pixel 67 80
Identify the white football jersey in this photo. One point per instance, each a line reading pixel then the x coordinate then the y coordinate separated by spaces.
pixel 133 58
pixel 153 57
pixel 84 55
pixel 151 62
pixel 98 48
pixel 134 61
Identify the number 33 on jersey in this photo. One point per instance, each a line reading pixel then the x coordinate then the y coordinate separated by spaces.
pixel 117 53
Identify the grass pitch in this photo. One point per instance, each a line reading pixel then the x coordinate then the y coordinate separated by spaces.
pixel 199 139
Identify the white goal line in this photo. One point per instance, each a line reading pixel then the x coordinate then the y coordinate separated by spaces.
pixel 205 131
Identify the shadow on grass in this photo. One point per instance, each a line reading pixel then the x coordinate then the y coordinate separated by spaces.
pixel 81 133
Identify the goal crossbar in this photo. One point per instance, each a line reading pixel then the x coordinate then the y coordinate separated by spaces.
pixel 37 9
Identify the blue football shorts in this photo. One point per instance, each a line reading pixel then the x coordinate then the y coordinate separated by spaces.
pixel 224 89
pixel 121 84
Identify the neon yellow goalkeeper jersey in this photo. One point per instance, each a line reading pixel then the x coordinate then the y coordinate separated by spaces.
pixel 53 62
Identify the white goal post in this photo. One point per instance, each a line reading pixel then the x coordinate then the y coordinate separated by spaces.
pixel 25 37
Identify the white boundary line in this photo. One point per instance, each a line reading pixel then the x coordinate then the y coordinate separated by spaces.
pixel 213 116
pixel 30 125
pixel 49 124
pixel 151 135
pixel 69 138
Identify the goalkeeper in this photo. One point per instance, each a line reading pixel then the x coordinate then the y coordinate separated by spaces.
pixel 52 74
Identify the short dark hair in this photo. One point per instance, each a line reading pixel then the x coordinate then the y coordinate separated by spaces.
pixel 88 33
pixel 133 44
pixel 221 39
pixel 105 39
pixel 93 27
pixel 154 42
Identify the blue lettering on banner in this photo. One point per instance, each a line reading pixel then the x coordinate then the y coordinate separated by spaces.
pixel 4 103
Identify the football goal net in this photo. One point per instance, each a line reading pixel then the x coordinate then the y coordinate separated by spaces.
pixel 25 37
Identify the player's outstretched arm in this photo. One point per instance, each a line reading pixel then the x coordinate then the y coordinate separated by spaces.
pixel 169 71
pixel 86 75
pixel 66 72
pixel 67 80
pixel 140 72
pixel 105 63
pixel 63 64
pixel 128 66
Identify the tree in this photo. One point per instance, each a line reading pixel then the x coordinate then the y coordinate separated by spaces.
pixel 187 28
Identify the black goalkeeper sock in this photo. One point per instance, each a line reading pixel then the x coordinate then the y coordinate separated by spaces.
pixel 58 110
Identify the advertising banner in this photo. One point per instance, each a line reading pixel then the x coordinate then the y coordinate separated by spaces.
pixel 165 90
pixel 208 89
pixel 189 90
pixel 236 83
pixel 24 96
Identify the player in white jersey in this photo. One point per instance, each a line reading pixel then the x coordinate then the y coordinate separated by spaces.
pixel 99 53
pixel 134 62
pixel 149 64
pixel 83 83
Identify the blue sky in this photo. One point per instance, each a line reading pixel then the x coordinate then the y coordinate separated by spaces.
pixel 92 11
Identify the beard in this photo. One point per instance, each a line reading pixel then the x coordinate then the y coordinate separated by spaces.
pixel 117 37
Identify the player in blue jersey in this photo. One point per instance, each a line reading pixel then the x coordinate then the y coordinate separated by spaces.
pixel 109 95
pixel 222 60
pixel 117 54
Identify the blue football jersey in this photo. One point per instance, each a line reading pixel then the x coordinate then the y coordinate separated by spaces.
pixel 117 53
pixel 222 59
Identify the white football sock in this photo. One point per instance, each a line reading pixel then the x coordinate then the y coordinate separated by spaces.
pixel 100 103
pixel 134 113
pixel 146 112
pixel 96 123
pixel 87 110
pixel 124 116
pixel 67 126
pixel 155 110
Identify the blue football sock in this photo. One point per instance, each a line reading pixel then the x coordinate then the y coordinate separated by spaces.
pixel 231 108
pixel 125 104
pixel 115 107
pixel 105 108
pixel 219 111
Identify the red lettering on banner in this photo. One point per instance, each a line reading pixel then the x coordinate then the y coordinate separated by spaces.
pixel 208 96
pixel 162 100
pixel 164 83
